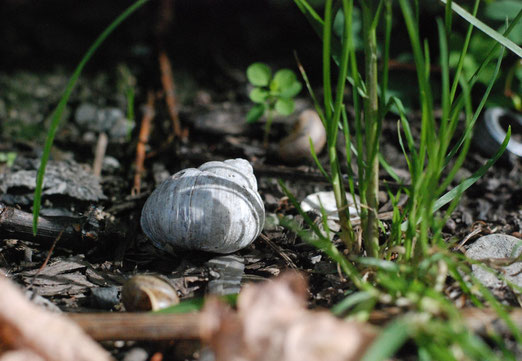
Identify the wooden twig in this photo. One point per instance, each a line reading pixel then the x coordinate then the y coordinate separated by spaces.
pixel 139 326
pixel 99 155
pixel 167 80
pixel 17 224
pixel 148 115
pixel 190 326
pixel 44 264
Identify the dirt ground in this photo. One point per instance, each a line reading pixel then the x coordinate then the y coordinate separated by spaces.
pixel 212 103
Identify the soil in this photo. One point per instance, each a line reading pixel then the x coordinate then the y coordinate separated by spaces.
pixel 206 90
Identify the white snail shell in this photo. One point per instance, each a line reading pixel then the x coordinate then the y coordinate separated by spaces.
pixel 296 146
pixel 215 208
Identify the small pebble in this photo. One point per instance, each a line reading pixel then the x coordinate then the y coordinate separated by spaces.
pixel 136 354
pixel 496 246
pixel 105 297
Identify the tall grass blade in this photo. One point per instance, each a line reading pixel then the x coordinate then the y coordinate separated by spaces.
pixel 388 342
pixel 486 29
pixel 469 128
pixel 446 198
pixel 56 116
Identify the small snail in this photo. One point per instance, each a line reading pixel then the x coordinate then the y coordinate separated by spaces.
pixel 296 146
pixel 147 293
pixel 215 208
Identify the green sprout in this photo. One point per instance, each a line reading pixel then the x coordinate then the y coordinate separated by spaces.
pixel 8 158
pixel 271 93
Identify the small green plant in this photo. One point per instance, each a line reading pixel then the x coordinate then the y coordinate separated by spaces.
pixel 271 93
pixel 8 158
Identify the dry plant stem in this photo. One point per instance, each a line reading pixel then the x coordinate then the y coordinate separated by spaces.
pixel 44 264
pixel 139 326
pixel 148 115
pixel 99 155
pixel 371 114
pixel 167 81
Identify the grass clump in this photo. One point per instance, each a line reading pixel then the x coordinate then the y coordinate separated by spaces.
pixel 411 267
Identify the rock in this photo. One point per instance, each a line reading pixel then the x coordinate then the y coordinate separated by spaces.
pixel 326 200
pixel 110 120
pixel 63 178
pixel 105 297
pixel 496 246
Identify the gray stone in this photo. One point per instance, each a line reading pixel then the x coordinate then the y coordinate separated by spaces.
pixel 495 246
pixel 61 178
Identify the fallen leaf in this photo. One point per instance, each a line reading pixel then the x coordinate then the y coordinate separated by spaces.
pixel 28 332
pixel 273 324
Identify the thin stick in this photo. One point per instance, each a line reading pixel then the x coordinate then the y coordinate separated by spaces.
pixel 139 326
pixel 190 326
pixel 167 80
pixel 148 115
pixel 44 264
pixel 99 155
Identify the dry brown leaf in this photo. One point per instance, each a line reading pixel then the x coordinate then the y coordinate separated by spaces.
pixel 273 324
pixel 29 329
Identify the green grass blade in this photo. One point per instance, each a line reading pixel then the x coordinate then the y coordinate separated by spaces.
pixel 386 56
pixel 446 198
pixel 350 301
pixel 57 113
pixel 463 52
pixel 387 167
pixel 317 162
pixel 331 251
pixel 469 128
pixel 327 81
pixel 388 342
pixel 486 29
pixel 343 69
pixel 317 106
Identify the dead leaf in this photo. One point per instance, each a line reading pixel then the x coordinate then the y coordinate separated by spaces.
pixel 273 324
pixel 30 331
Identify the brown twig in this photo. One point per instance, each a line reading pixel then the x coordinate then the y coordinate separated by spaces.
pixel 99 155
pixel 190 326
pixel 279 251
pixel 148 115
pixel 139 326
pixel 167 80
pixel 49 254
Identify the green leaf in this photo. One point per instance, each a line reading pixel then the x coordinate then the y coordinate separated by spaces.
pixel 292 90
pixel 284 106
pixel 255 113
pixel 56 116
pixel 284 78
pixel 259 95
pixel 259 74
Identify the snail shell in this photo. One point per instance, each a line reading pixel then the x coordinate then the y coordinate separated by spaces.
pixel 147 293
pixel 215 208
pixel 296 146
